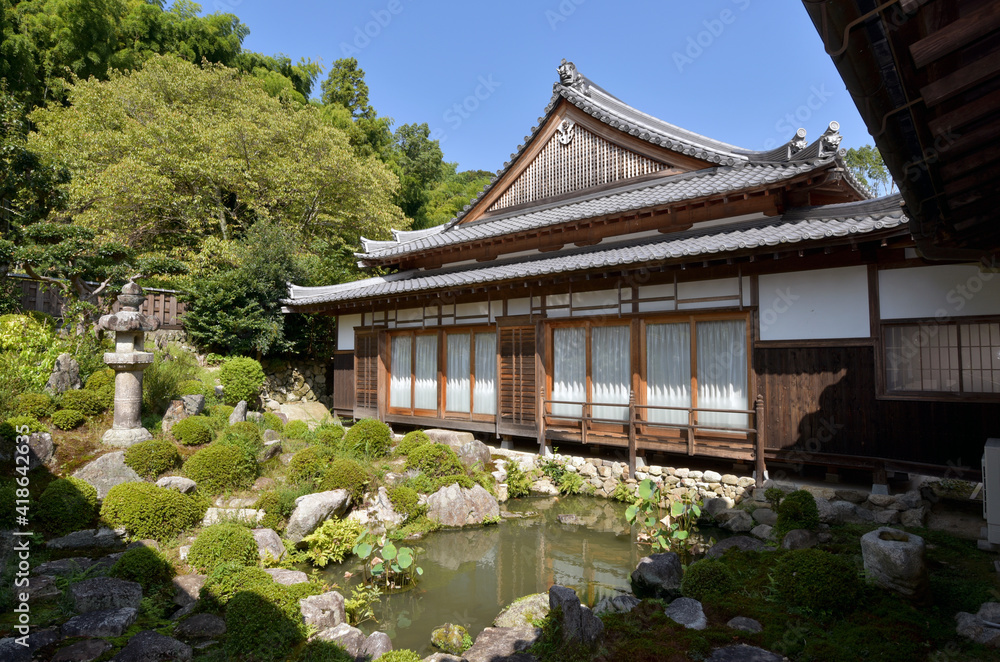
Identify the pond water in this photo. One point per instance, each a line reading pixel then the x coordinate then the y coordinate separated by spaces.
pixel 471 575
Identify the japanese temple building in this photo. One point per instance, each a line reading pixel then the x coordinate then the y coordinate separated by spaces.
pixel 627 283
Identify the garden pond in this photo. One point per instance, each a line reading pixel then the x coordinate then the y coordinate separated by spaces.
pixel 470 575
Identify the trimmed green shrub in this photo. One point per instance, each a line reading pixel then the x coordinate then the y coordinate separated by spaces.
pixel 296 430
pixel 263 622
pixel 151 458
pixel 144 565
pixel 220 468
pixel 405 500
pixel 330 436
pixel 707 579
pixel 241 379
pixel 270 503
pixel 67 504
pixel 273 422
pixel 401 655
pixel 797 511
pixel 411 440
pixel 370 438
pixel 348 475
pixel 435 460
pixel 245 435
pixel 87 402
pixel 318 650
pixel 221 411
pixel 429 485
pixel 228 579
pixel 190 387
pixel 38 405
pixel 309 464
pixel 68 419
pixel 817 581
pixel 223 543
pixel 148 511
pixel 8 492
pixel 100 380
pixel 192 431
pixel 8 429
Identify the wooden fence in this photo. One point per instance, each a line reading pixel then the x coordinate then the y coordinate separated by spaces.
pixel 161 304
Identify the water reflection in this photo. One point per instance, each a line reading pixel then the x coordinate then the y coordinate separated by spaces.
pixel 470 575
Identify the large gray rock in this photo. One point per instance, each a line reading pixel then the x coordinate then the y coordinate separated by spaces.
pixel 896 560
pixel 716 505
pixel 743 653
pixel 40 450
pixel 449 638
pixel 151 646
pixel 87 538
pixel 108 623
pixel 503 645
pixel 323 611
pixel 175 413
pixel 765 516
pixel 247 516
pixel 42 587
pixel 744 543
pixel 82 651
pixel 193 404
pixel 287 577
pixel 458 506
pixel 474 453
pixel 737 521
pixel 62 567
pixel 312 510
pixel 383 511
pixel 620 604
pixel 103 593
pixel 188 588
pixel 269 544
pixel 523 611
pixel 799 539
pixel 179 483
pixel 348 637
pixel 272 449
pixel 687 612
pixel 658 576
pixel 65 375
pixel 579 625
pixel 239 413
pixel 376 645
pixel 107 471
pixel 745 624
pixel 451 438
pixel 201 626
pixel 11 649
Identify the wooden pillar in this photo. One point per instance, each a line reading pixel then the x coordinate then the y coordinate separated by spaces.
pixel 631 434
pixel 759 440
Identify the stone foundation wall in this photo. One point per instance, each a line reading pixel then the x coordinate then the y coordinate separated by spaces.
pixel 294 382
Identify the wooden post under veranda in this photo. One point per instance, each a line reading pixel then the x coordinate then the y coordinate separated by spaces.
pixel 759 467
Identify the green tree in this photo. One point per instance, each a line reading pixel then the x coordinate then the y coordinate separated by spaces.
pixel 166 156
pixel 867 166
pixel 345 86
pixel 419 162
pixel 450 195
pixel 346 107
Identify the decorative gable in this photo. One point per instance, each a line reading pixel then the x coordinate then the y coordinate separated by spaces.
pixel 573 159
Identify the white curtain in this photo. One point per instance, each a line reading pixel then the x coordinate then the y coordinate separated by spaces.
pixel 484 397
pixel 611 370
pixel 399 382
pixel 668 372
pixel 569 370
pixel 722 372
pixel 425 373
pixel 457 396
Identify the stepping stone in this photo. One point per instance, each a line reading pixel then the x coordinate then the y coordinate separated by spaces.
pixel 106 623
pixel 82 651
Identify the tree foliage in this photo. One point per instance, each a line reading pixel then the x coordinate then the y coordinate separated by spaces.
pixel 867 166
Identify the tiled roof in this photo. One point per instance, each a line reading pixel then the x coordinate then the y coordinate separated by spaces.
pixel 802 225
pixel 675 188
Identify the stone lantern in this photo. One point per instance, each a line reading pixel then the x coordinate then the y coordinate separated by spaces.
pixel 128 361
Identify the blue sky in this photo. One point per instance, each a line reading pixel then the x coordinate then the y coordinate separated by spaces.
pixel 747 72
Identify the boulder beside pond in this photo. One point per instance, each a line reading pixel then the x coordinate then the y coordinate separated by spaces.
pixel 457 506
pixel 658 576
pixel 312 510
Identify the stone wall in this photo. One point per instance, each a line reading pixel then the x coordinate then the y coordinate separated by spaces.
pixel 285 382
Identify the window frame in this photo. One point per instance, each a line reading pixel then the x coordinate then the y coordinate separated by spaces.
pixel 470 332
pixel 412 410
pixel 882 364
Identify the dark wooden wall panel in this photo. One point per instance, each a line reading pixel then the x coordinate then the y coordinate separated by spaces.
pixel 823 400
pixel 343 381
pixel 366 375
pixel 518 386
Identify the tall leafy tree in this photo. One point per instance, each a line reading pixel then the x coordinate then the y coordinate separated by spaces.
pixel 174 153
pixel 345 85
pixel 419 163
pixel 450 195
pixel 867 166
pixel 346 106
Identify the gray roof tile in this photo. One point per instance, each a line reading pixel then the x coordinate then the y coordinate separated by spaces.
pixel 801 225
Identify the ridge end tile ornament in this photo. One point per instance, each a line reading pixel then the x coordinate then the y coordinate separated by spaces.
pixel 129 360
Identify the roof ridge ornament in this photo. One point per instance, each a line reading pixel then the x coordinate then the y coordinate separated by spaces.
pixel 798 142
pixel 568 74
pixel 830 140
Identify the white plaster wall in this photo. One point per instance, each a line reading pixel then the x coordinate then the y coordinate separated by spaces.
pixel 410 315
pixel 722 287
pixel 605 298
pixel 938 291
pixel 519 306
pixel 345 330
pixel 822 304
pixel 478 308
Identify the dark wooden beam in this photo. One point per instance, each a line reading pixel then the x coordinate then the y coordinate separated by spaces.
pixel 961 80
pixel 953 36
